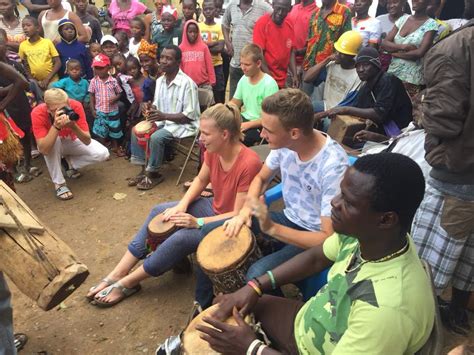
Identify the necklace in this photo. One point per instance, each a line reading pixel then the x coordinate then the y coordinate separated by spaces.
pixel 351 267
pixel 11 25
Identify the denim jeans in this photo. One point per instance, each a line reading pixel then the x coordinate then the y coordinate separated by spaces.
pixel 7 345
pixel 180 244
pixel 156 148
pixel 234 76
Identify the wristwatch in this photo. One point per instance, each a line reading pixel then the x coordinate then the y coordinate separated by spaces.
pixel 200 222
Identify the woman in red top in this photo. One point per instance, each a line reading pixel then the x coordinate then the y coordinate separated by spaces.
pixel 229 166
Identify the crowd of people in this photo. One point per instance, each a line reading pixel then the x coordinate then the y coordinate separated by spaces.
pixel 314 85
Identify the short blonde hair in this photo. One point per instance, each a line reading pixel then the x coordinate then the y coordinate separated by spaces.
pixel 253 51
pixel 227 117
pixel 55 96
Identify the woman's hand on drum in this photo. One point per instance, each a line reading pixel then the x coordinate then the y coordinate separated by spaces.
pixel 233 226
pixel 260 211
pixel 184 220
pixel 226 338
pixel 172 211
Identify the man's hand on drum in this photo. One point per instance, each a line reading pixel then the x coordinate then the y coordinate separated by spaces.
pixel 226 338
pixel 153 114
pixel 260 211
pixel 244 299
pixel 172 211
pixel 184 220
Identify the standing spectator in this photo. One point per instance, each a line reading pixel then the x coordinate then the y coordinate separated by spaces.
pixel 94 49
pixel 147 56
pixel 237 24
pixel 273 33
pixel 188 8
pixel 122 40
pixel 300 16
pixel 11 23
pixel 109 46
pixel 408 42
pixel 443 27
pixel 443 228
pixel 197 61
pixel 122 11
pixel 88 20
pixel 39 54
pixel 71 48
pixel 326 26
pixel 137 28
pixel 49 22
pixel 152 20
pixel 212 35
pixel 172 32
pixel 368 26
pixel 35 7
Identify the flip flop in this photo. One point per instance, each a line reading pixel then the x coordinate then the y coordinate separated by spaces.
pixel 35 171
pixel 20 340
pixel 105 280
pixel 62 190
pixel 23 178
pixel 73 173
pixel 126 292
pixel 207 193
pixel 148 183
pixel 135 180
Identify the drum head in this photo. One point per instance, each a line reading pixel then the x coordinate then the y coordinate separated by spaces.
pixel 143 127
pixel 217 252
pixel 158 228
pixel 191 341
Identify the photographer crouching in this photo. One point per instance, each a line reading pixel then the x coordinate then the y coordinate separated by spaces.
pixel 61 131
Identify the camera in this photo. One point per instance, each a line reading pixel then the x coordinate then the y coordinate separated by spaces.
pixel 73 115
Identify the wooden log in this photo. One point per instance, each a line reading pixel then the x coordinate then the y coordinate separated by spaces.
pixel 47 281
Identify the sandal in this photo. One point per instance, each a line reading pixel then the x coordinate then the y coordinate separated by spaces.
pixel 105 280
pixel 73 173
pixel 61 191
pixel 188 184
pixel 207 192
pixel 148 183
pixel 126 292
pixel 35 171
pixel 20 340
pixel 23 178
pixel 120 153
pixel 135 180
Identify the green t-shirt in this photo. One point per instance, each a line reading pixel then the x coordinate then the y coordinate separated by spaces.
pixel 252 95
pixel 375 308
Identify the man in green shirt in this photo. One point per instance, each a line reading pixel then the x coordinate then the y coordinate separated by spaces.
pixel 378 298
pixel 252 88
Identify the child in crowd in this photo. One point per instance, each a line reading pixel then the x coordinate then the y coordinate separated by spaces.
pixel 39 54
pixel 211 34
pixel 147 55
pixel 134 69
pixel 252 88
pixel 196 61
pixel 104 93
pixel 88 20
pixel 109 46
pixel 94 49
pixel 153 24
pixel 76 87
pixel 369 27
pixel 122 39
pixel 71 48
pixel 137 27
pixel 172 32
pixel 189 8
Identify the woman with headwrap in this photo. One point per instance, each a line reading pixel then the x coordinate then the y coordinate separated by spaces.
pixel 147 56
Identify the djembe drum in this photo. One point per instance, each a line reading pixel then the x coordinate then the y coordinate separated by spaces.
pixel 225 260
pixel 143 130
pixel 159 231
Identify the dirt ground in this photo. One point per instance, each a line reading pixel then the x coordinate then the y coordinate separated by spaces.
pixel 98 228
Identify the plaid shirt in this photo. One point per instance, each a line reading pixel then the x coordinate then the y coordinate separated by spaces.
pixel 103 91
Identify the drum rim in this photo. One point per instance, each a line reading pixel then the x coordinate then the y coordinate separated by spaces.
pixel 162 234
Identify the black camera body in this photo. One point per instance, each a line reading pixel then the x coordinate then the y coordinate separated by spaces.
pixel 73 115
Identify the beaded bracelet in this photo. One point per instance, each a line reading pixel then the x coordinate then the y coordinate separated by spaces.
pixel 256 288
pixel 272 279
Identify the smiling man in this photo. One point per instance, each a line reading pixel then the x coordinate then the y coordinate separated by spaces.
pixel 378 298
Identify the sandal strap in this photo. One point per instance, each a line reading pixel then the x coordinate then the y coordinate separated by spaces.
pixel 61 190
pixel 124 290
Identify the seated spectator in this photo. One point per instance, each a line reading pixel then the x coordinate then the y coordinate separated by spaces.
pixel 38 54
pixel 341 78
pixel 376 279
pixel 137 28
pixel 227 164
pixel 273 33
pixel 153 25
pixel 123 11
pixel 70 48
pixel 49 22
pixel 311 165
pixel 368 26
pixel 382 98
pixel 443 27
pixel 109 46
pixel 147 55
pixel 59 134
pixel 211 34
pixel 88 20
pixel 172 31
pixel 251 90
pixel 105 92
pixel 175 111
pixel 197 60
pixel 123 40
pixel 11 23
pixel 408 42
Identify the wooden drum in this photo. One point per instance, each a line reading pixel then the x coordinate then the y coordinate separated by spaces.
pixel 226 260
pixel 40 264
pixel 159 231
pixel 143 130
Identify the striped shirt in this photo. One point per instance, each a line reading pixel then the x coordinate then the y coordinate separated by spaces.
pixel 242 24
pixel 179 96
pixel 103 91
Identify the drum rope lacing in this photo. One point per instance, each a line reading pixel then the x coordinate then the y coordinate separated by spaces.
pixel 34 245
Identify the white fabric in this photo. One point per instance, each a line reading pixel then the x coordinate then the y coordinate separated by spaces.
pixel 339 83
pixel 369 28
pixel 133 48
pixel 76 153
pixel 385 24
pixel 308 187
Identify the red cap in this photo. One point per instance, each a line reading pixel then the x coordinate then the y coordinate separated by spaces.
pixel 101 60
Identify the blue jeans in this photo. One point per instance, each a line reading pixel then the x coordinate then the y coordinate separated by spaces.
pixel 156 148
pixel 276 253
pixel 7 345
pixel 179 245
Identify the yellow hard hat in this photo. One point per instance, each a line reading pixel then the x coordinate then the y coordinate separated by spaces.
pixel 349 43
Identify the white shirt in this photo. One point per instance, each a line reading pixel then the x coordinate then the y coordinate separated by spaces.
pixel 369 28
pixel 133 48
pixel 339 83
